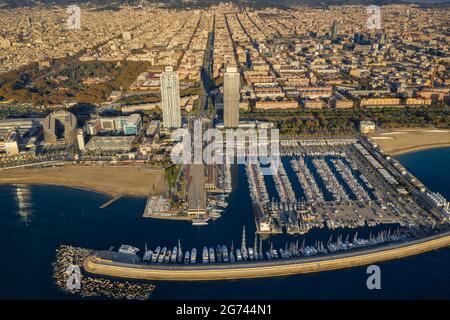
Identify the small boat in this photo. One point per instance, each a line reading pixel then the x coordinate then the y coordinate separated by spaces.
pixel 199 222
pixel 156 254
pixel 193 255
pixel 232 259
pixel 167 257
pixel 214 214
pixel 251 254
pixel 174 255
pixel 148 255
pixel 238 255
pixel 212 258
pixel 275 253
pixel 162 255
pixel 186 257
pixel 205 256
pixel 219 253
pixel 244 254
pixel 225 253
pixel 127 249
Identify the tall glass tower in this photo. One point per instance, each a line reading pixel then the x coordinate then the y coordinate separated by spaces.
pixel 231 97
pixel 170 99
pixel 334 30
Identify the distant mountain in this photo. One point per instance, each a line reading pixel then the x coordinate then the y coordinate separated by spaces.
pixel 205 3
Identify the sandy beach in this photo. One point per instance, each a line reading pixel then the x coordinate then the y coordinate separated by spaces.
pixel 130 181
pixel 400 141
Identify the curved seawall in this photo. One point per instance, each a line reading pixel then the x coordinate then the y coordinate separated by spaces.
pixel 96 265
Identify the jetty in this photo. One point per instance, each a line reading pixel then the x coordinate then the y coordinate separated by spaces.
pixel 101 263
pixel 110 201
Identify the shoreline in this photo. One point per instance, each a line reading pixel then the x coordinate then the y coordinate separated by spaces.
pixel 57 185
pixel 94 264
pixel 405 140
pixel 402 151
pixel 69 186
pixel 37 176
pixel 110 181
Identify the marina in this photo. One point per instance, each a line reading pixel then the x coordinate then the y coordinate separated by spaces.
pixel 307 181
pixel 245 253
pixel 331 183
pixel 346 183
pixel 285 261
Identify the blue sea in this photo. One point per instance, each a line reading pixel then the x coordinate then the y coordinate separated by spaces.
pixel 35 220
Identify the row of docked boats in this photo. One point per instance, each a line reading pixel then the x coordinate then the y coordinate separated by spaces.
pixel 307 180
pixel 218 204
pixel 331 182
pixel 176 255
pixel 282 184
pixel 255 178
pixel 357 189
pixel 221 254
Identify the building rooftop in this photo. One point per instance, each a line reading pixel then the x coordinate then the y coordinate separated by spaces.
pixel 110 143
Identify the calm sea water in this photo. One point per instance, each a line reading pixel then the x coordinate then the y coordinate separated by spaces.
pixel 35 220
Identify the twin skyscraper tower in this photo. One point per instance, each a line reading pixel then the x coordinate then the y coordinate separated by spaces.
pixel 170 98
pixel 231 97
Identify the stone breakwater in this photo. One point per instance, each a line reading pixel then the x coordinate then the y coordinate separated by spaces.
pixel 68 256
pixel 96 265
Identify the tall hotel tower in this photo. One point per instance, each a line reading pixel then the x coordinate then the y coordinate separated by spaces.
pixel 170 97
pixel 231 97
pixel 334 30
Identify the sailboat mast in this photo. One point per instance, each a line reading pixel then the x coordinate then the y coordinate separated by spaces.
pixel 244 241
pixel 260 246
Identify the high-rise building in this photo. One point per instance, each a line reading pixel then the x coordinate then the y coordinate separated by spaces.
pixel 60 127
pixel 170 99
pixel 334 30
pixel 231 97
pixel 80 139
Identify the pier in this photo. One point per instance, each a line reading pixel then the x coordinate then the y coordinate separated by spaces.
pixel 346 183
pixel 307 181
pixel 110 201
pixel 330 180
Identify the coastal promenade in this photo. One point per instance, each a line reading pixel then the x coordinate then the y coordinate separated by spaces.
pixel 96 265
